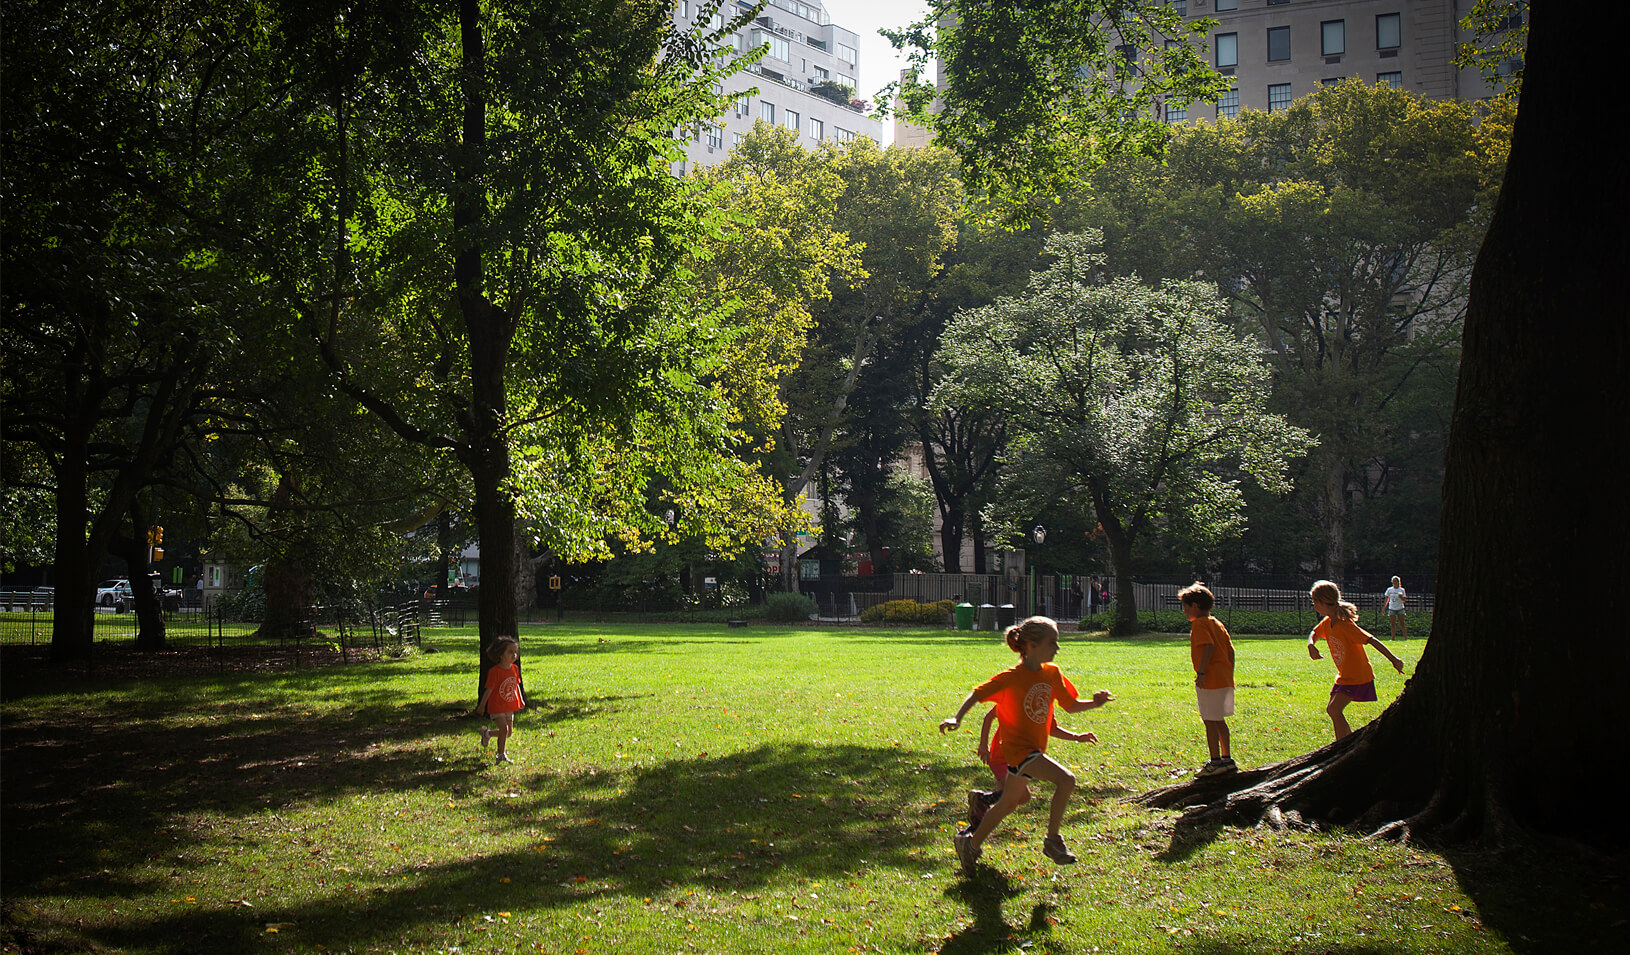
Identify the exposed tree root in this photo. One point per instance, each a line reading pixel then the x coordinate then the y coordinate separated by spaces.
pixel 1335 785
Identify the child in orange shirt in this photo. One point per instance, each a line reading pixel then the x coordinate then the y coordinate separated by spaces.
pixel 1024 697
pixel 1355 681
pixel 1212 653
pixel 990 753
pixel 502 698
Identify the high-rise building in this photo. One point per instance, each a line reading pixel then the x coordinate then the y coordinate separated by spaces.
pixel 807 81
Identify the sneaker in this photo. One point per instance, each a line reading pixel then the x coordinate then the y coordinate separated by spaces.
pixel 1212 768
pixel 486 736
pixel 1055 850
pixel 966 851
pixel 1228 764
pixel 976 807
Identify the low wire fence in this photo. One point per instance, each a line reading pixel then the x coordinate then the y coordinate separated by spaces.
pixel 382 626
pixel 1257 605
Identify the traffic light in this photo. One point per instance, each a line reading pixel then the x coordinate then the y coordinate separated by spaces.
pixel 155 535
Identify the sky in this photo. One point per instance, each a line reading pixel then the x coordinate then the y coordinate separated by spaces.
pixel 879 64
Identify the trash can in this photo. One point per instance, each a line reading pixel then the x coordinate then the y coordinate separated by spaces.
pixel 964 616
pixel 987 617
pixel 1004 616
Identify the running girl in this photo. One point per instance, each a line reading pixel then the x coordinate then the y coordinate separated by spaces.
pixel 1024 697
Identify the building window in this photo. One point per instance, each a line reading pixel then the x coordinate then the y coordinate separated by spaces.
pixel 1278 97
pixel 1177 113
pixel 1129 57
pixel 744 106
pixel 779 48
pixel 1278 43
pixel 766 111
pixel 846 54
pixel 1228 106
pixel 684 8
pixel 1394 80
pixel 817 129
pixel 792 121
pixel 737 141
pixel 822 73
pixel 715 136
pixel 842 135
pixel 1332 81
pixel 1223 6
pixel 1333 37
pixel 1227 50
pixel 1389 33
pixel 1181 7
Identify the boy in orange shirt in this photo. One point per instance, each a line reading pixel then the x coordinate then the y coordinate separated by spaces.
pixel 1212 653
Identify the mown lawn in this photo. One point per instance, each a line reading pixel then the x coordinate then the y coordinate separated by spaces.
pixel 702 789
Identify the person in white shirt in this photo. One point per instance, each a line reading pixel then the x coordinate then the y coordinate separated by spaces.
pixel 1395 608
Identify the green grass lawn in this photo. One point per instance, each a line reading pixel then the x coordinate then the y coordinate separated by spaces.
pixel 702 789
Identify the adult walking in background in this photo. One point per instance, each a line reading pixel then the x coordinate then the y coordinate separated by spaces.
pixel 1395 608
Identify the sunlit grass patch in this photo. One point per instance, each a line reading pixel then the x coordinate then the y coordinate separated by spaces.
pixel 697 789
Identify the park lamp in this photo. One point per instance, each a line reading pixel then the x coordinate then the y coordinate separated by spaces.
pixel 1038 534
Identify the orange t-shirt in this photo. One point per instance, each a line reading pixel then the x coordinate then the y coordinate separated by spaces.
pixel 1346 640
pixel 1024 707
pixel 504 690
pixel 1204 631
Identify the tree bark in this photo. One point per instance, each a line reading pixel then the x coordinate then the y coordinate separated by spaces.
pixel 1512 721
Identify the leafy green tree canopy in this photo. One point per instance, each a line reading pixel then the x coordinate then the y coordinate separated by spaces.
pixel 1137 402
pixel 1036 93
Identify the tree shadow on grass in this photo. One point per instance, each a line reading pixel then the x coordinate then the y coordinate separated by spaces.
pixel 88 791
pixel 1547 897
pixel 738 822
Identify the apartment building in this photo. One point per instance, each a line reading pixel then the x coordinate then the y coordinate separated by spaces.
pixel 1279 50
pixel 807 81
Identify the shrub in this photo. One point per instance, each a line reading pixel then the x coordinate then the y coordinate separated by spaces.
pixel 908 611
pixel 788 608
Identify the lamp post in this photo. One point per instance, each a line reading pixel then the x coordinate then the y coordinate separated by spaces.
pixel 1039 535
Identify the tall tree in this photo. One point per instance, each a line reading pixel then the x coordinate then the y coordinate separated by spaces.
pixel 1343 230
pixel 1134 402
pixel 489 247
pixel 119 152
pixel 900 207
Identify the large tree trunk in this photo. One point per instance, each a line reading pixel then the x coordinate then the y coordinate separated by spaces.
pixel 149 615
pixel 291 599
pixel 1513 719
pixel 491 332
pixel 73 626
pixel 951 536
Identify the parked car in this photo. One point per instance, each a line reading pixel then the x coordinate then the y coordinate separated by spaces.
pixel 118 595
pixel 110 593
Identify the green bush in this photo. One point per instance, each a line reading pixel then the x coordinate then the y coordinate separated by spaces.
pixel 788 608
pixel 908 611
pixel 1256 622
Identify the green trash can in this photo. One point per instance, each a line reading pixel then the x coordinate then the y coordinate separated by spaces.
pixel 964 616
